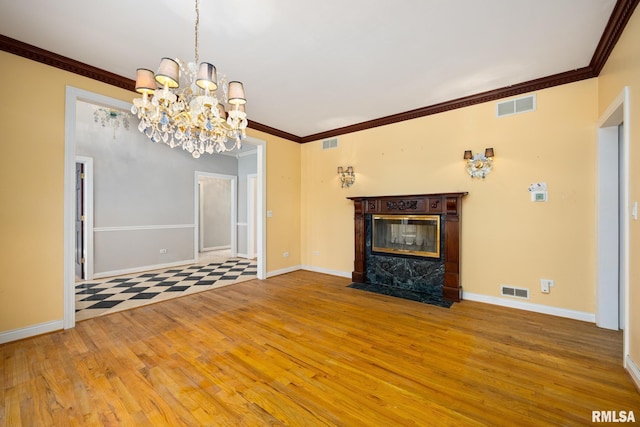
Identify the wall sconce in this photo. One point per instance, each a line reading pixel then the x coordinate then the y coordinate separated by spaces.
pixel 348 177
pixel 478 165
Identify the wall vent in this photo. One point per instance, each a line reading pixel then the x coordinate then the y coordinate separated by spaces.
pixel 511 291
pixel 330 143
pixel 516 106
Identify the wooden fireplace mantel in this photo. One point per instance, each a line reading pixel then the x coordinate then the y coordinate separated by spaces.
pixel 448 205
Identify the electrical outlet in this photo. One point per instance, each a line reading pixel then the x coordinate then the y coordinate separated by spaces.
pixel 545 285
pixel 163 251
pixel 316 253
pixel 285 254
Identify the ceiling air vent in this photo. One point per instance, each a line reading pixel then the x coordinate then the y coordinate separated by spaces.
pixel 330 143
pixel 511 291
pixel 516 106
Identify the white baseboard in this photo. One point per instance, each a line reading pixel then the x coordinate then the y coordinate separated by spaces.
pixel 142 269
pixel 215 248
pixel 283 271
pixel 30 331
pixel 327 271
pixel 538 308
pixel 633 370
pixel 239 255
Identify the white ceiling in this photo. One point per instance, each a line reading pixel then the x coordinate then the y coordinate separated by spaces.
pixel 313 66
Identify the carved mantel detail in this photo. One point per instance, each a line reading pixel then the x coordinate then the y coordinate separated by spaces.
pixel 402 205
pixel 447 205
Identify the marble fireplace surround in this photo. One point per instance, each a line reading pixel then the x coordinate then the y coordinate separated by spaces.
pixel 422 274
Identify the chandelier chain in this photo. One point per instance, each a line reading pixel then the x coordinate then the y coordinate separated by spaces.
pixel 197 30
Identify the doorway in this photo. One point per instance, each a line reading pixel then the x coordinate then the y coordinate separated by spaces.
pixel 216 216
pixel 83 218
pixel 612 305
pixel 73 95
pixel 252 214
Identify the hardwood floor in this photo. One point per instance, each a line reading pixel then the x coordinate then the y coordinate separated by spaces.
pixel 302 349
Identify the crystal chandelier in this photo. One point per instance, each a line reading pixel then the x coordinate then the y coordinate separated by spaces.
pixel 180 105
pixel 112 118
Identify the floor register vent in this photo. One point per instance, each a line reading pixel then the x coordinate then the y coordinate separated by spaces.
pixel 516 106
pixel 330 143
pixel 511 291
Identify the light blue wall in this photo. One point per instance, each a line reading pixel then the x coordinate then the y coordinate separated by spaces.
pixel 143 195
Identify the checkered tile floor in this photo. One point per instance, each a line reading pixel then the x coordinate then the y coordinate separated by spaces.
pixel 98 297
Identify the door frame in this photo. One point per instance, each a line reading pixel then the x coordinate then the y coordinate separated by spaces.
pixel 87 232
pixel 252 188
pixel 613 223
pixel 197 210
pixel 72 95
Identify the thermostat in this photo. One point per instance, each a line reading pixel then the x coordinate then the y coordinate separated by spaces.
pixel 538 196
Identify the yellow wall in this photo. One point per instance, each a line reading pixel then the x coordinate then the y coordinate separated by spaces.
pixel 283 200
pixel 623 69
pixel 32 191
pixel 506 239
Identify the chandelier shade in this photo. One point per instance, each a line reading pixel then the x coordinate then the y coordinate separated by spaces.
pixel 145 81
pixel 236 93
pixel 181 105
pixel 168 73
pixel 207 77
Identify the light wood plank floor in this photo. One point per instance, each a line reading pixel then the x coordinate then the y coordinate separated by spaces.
pixel 302 349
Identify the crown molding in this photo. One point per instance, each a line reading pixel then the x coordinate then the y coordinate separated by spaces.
pixel 275 132
pixel 492 95
pixel 617 21
pixel 46 57
pixel 622 12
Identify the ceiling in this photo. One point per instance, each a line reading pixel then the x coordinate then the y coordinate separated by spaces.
pixel 312 67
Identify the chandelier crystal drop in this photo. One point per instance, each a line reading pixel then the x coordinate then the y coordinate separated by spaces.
pixel 180 105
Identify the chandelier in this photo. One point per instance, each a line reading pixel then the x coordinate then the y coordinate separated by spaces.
pixel 180 105
pixel 112 118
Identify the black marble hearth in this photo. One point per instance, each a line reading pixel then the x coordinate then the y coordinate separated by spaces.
pixel 410 277
pixel 433 297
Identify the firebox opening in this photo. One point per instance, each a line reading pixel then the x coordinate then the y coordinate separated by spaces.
pixel 417 235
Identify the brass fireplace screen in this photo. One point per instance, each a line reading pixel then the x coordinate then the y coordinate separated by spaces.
pixel 417 235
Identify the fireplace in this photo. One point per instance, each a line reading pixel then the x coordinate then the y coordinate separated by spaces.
pixel 409 242
pixel 416 235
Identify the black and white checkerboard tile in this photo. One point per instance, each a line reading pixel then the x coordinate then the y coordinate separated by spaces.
pixel 114 294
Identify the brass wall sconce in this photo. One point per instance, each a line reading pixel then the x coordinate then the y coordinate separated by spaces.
pixel 478 165
pixel 347 177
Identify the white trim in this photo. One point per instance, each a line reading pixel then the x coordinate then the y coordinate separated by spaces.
pixel 72 96
pixel 247 153
pixel 261 207
pixel 142 269
pixel 242 224
pixel 633 370
pixel 537 308
pixel 142 227
pixel 618 112
pixel 31 331
pixel 284 271
pixel 338 273
pixel 88 213
pixel 215 248
pixel 241 255
pixel 252 180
